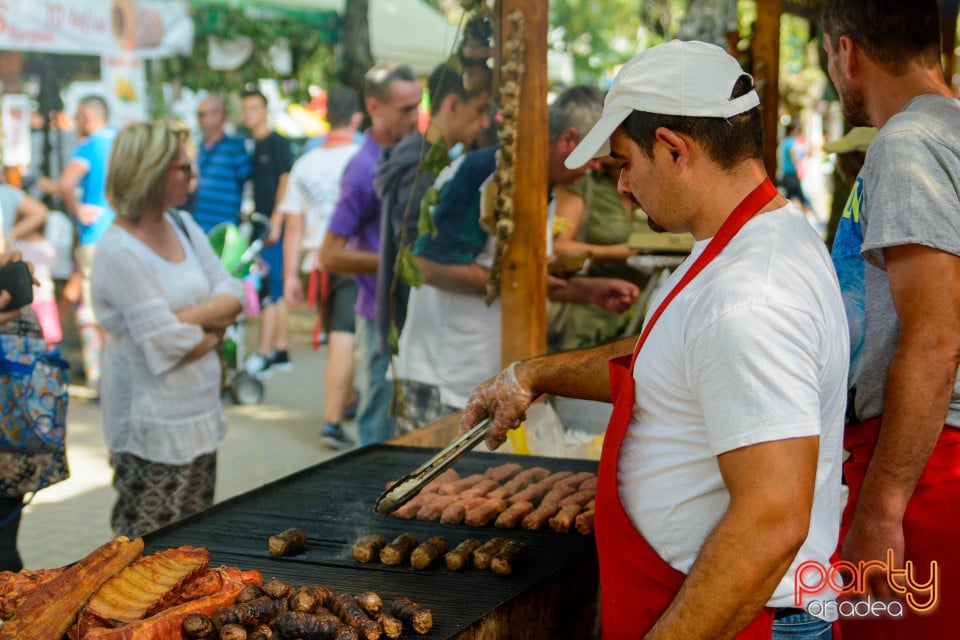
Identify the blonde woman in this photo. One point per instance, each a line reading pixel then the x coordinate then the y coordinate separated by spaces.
pixel 164 300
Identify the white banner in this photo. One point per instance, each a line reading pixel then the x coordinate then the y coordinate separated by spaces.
pixel 15 113
pixel 148 28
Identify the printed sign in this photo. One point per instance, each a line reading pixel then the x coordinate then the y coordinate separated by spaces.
pixel 150 28
pixel 16 130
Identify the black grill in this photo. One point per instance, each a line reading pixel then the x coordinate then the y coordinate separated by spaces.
pixel 333 503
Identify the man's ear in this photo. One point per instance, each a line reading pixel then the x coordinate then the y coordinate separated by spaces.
pixel 450 104
pixel 848 58
pixel 674 144
pixel 569 139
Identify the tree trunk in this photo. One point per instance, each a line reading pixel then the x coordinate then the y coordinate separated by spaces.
pixel 355 44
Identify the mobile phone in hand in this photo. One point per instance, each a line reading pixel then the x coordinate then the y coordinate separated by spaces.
pixel 15 278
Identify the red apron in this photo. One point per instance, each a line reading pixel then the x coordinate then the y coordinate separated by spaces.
pixel 930 528
pixel 636 584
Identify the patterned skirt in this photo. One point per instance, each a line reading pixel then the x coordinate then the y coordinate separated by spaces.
pixel 152 495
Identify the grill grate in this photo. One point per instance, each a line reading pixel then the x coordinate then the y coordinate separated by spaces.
pixel 333 503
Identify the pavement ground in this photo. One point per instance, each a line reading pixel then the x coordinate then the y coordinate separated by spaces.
pixel 264 442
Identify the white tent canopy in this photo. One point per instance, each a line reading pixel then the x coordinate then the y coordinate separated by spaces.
pixel 412 32
pixel 400 30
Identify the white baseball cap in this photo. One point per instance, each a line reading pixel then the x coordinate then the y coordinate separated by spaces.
pixel 693 79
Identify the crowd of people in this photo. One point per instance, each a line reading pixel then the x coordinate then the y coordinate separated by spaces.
pixel 770 378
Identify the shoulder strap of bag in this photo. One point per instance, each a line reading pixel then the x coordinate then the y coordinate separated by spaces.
pixel 178 220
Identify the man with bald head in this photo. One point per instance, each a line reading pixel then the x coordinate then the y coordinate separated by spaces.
pixel 224 165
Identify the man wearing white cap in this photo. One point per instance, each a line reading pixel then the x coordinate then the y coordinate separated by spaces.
pixel 720 472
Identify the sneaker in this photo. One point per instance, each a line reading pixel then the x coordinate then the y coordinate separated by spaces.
pixel 280 361
pixel 334 437
pixel 258 365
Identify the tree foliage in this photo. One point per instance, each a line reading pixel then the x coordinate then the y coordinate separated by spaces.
pixel 310 36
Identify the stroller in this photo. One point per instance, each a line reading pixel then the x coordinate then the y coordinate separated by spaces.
pixel 238 246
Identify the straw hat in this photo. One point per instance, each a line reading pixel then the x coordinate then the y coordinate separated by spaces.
pixel 857 139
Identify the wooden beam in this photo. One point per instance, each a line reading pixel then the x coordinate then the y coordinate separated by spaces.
pixel 765 56
pixel 523 283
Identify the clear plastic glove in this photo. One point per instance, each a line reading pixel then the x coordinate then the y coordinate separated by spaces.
pixel 503 399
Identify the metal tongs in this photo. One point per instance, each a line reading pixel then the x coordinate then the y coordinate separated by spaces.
pixel 410 485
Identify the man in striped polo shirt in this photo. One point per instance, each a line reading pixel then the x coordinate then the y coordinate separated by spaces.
pixel 224 166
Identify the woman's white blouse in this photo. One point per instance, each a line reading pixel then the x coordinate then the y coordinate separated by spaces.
pixel 154 405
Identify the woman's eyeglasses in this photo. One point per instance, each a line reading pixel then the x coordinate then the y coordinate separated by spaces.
pixel 185 167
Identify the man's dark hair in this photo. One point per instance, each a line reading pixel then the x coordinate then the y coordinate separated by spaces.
pixel 97 105
pixel 254 93
pixel 377 81
pixel 891 32
pixel 342 103
pixel 446 81
pixel 727 141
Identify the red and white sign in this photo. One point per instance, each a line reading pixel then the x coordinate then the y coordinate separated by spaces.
pixel 15 114
pixel 149 28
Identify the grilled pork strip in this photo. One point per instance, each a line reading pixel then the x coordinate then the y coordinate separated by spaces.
pixel 49 612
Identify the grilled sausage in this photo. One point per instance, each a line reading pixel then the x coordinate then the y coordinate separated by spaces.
pixel 435 506
pixel 481 515
pixel 370 602
pixel 392 627
pixel 233 632
pixel 457 511
pixel 581 497
pixel 287 543
pixel 198 626
pixel 535 520
pixel 277 589
pixel 461 485
pixel 481 489
pixel 483 554
pixel 564 518
pixel 584 523
pixel 346 606
pixel 307 626
pixel 398 551
pixel 519 482
pixel 419 619
pixel 409 510
pixel 506 560
pixel 428 552
pixel 503 472
pixel 368 549
pixel 304 600
pixel 510 518
pixel 460 556
pixel 536 491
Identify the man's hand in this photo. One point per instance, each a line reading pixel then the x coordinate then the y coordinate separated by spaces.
pixel 612 294
pixel 869 539
pixel 503 399
pixel 293 290
pixel 276 229
pixel 87 214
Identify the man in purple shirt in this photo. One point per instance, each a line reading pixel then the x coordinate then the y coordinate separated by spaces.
pixel 392 95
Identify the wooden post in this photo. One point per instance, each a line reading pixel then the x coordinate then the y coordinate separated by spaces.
pixel 524 276
pixel 765 54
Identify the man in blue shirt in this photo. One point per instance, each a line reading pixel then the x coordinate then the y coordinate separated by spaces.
pixel 83 189
pixel 223 166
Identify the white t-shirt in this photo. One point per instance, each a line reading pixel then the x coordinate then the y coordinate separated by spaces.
pixel 452 340
pixel 154 405
pixel 313 190
pixel 754 349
